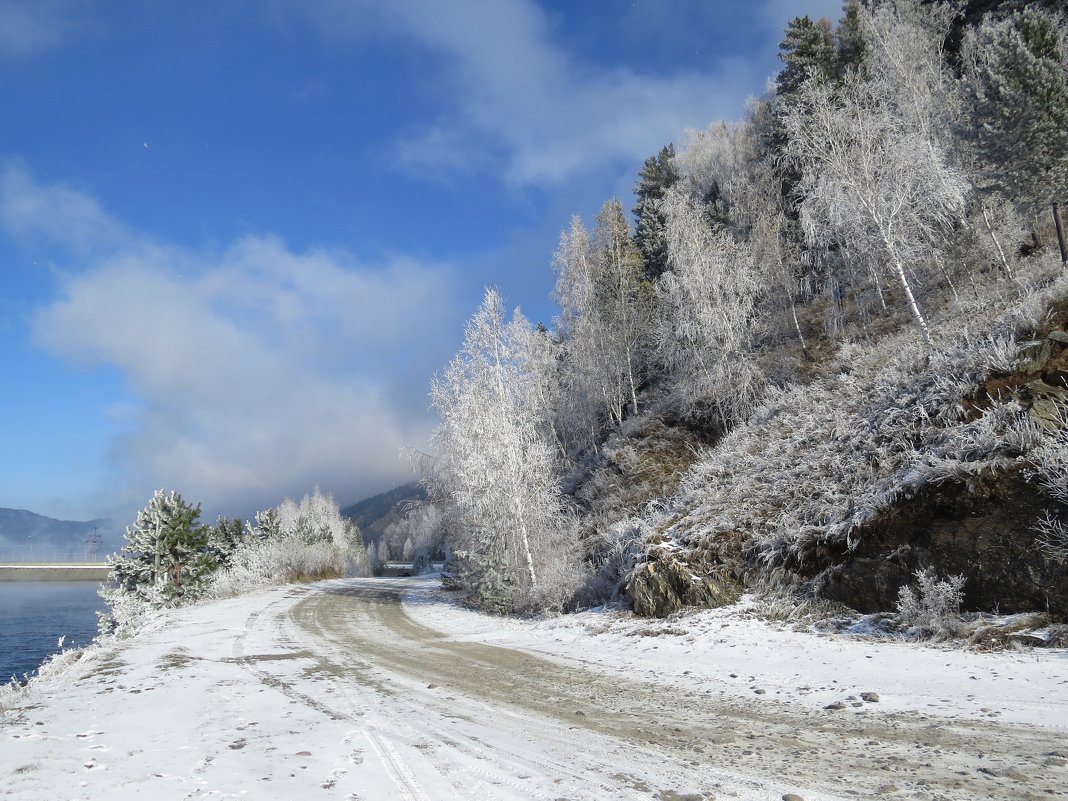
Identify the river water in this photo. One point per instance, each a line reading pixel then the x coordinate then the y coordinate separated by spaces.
pixel 35 614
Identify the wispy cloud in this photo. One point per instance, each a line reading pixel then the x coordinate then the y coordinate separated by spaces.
pixel 514 92
pixel 260 370
pixel 57 213
pixel 30 26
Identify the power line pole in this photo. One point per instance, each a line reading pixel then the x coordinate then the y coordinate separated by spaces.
pixel 94 544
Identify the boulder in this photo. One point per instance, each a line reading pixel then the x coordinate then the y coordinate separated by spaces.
pixel 664 583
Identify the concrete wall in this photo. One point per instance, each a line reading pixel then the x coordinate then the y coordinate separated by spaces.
pixel 87 571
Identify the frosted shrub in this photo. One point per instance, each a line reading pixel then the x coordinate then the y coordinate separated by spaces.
pixel 285 560
pixel 615 551
pixel 292 543
pixel 934 610
pixel 127 612
pixel 1052 537
pixel 816 464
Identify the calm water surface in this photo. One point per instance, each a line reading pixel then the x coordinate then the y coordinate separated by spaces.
pixel 35 614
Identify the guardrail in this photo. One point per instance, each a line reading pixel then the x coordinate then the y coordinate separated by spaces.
pixel 47 554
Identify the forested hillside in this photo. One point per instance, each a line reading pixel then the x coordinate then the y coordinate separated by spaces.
pixel 823 357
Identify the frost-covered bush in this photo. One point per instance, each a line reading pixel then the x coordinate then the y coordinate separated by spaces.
pixel 614 550
pixel 933 609
pixel 1049 463
pixel 1052 537
pixel 127 613
pixel 292 543
pixel 282 560
pixel 816 463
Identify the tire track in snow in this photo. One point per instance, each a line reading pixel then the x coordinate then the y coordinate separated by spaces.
pixel 731 737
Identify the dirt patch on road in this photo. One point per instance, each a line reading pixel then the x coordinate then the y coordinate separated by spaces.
pixel 849 752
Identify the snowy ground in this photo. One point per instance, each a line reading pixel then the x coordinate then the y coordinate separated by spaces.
pixel 339 690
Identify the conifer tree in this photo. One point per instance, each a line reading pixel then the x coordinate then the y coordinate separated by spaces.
pixel 1020 97
pixel 849 38
pixel 225 537
pixel 165 559
pixel 807 50
pixel 657 175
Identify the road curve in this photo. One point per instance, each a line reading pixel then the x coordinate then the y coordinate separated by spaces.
pixel 455 719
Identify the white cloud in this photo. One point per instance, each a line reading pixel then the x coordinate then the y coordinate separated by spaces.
pixel 30 26
pixel 260 371
pixel 511 89
pixel 58 213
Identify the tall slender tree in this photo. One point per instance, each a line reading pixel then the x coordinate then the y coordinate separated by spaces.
pixel 494 473
pixel 658 174
pixel 872 183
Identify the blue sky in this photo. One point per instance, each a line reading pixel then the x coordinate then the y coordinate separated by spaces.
pixel 237 241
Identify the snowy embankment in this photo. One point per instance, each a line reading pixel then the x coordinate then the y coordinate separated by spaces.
pixel 729 651
pixel 340 690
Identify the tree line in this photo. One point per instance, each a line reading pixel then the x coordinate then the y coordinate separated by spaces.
pixel 908 154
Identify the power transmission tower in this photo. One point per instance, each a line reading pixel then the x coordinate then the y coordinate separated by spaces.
pixel 94 544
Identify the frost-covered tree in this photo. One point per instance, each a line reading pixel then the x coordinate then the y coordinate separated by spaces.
pixel 624 305
pixel 494 473
pixel 317 519
pixel 1020 96
pixel 657 175
pixel 606 312
pixel 905 67
pixel 709 297
pixel 225 537
pixel 872 183
pixel 164 560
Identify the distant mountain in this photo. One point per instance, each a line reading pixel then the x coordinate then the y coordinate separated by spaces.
pixel 19 529
pixel 373 514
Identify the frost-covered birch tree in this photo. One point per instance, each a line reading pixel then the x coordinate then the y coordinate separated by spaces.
pixel 873 183
pixel 708 301
pixel 493 473
pixel 606 314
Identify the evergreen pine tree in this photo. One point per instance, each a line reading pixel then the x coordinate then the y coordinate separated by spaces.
pixel 657 175
pixel 849 38
pixel 806 50
pixel 165 559
pixel 1021 110
pixel 223 539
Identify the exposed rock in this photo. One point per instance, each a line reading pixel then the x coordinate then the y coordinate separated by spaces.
pixel 871 698
pixel 981 529
pixel 836 705
pixel 664 583
pixel 792 797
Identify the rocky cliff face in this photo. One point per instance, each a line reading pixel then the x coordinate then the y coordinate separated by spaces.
pixel 982 529
pixel 979 523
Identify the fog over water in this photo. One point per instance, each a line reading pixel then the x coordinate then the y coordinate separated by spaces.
pixel 35 614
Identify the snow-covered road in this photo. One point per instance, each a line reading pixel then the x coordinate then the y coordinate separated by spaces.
pixel 383 689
